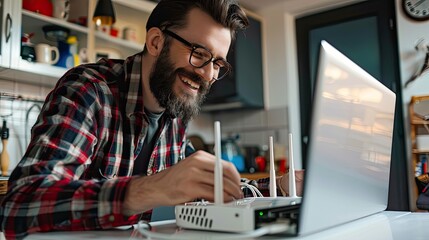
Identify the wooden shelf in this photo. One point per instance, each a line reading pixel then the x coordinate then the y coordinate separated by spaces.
pixel 255 176
pixel 43 20
pixel 417 151
pixel 416 123
pixel 3 185
pixel 131 14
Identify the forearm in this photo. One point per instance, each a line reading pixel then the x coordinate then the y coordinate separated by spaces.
pixel 147 192
pixel 39 205
pixel 142 195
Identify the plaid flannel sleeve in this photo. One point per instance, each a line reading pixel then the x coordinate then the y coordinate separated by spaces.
pixel 45 192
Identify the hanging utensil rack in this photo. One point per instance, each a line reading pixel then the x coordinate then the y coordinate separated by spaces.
pixel 12 97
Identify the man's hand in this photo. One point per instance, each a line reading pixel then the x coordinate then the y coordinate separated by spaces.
pixel 190 179
pixel 283 183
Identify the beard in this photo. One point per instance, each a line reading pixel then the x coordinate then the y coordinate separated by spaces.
pixel 161 84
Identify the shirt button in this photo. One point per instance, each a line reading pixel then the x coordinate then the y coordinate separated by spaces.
pixel 111 218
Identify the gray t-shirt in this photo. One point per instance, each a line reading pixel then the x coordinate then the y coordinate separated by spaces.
pixel 142 160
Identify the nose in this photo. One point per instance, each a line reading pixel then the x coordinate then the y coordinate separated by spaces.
pixel 206 72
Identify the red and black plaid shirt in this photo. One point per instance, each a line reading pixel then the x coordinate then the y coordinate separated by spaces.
pixel 80 159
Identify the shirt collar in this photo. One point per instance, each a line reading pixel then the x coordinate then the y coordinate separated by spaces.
pixel 133 76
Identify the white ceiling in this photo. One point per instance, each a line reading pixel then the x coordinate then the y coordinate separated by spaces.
pixel 295 7
pixel 258 4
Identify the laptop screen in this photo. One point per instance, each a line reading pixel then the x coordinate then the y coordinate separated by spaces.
pixel 348 165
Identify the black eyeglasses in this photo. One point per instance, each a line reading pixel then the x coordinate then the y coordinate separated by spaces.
pixel 201 56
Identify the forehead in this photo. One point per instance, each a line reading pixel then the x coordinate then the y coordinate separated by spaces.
pixel 202 29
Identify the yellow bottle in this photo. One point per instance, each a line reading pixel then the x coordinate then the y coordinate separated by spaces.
pixel 73 43
pixel 4 155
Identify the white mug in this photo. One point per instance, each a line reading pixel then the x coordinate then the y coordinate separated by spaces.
pixel 47 54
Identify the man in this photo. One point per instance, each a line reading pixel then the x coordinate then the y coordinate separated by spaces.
pixel 110 144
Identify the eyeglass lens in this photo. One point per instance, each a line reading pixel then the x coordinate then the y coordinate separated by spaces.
pixel 201 57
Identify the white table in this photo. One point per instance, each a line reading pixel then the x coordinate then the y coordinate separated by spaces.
pixel 381 226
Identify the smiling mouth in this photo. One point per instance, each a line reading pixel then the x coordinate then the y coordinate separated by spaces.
pixel 190 83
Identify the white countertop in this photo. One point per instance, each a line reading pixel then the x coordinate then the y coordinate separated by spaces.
pixel 385 225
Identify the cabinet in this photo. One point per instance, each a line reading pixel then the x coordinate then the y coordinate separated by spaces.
pixel 129 14
pixel 419 133
pixel 6 32
pixel 243 88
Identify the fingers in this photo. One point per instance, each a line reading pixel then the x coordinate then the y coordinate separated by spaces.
pixel 299 175
pixel 206 162
pixel 299 182
pixel 202 165
pixel 190 179
pixel 231 182
pixel 206 192
pixel 230 171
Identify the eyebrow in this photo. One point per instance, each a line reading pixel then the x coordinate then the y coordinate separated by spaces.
pixel 191 44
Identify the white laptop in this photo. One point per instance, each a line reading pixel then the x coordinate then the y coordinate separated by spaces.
pixel 347 175
pixel 348 167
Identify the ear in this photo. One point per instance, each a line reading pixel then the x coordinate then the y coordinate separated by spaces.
pixel 154 41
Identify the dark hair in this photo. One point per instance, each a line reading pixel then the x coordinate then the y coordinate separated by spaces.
pixel 173 13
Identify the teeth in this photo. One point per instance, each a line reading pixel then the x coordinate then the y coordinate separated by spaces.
pixel 190 83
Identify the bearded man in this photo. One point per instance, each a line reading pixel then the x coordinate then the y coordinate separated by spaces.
pixel 109 144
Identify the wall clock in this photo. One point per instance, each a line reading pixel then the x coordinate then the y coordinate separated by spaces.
pixel 416 9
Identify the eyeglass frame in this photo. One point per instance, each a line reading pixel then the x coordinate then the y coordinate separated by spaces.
pixel 193 47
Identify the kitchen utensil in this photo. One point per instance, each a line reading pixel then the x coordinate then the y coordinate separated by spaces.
pixel 39 6
pixel 61 9
pixel 261 162
pixel 27 49
pixel 4 155
pixel 47 54
pixel 83 55
pixel 68 52
pixel 130 34
pixel 114 32
pixel 66 58
pixel 74 49
pixel 107 53
pixel 55 33
pixel 231 152
pixel 28 53
pixel 251 152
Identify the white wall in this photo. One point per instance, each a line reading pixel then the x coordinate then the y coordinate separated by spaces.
pixel 202 126
pixel 281 69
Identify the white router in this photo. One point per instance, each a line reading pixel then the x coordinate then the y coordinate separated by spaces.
pixel 241 215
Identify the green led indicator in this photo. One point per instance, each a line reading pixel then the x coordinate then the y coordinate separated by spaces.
pixel 261 214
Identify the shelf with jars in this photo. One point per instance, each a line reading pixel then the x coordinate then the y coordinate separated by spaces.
pixel 419 134
pixel 65 28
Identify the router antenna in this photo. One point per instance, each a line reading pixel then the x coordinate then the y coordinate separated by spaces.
pixel 273 187
pixel 218 174
pixel 292 185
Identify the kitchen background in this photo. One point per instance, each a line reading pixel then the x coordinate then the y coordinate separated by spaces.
pixel 279 115
pixel 18 113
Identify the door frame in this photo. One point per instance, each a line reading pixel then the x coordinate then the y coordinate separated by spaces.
pixel 384 10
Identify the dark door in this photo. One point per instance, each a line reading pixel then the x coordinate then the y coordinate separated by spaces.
pixel 366 33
